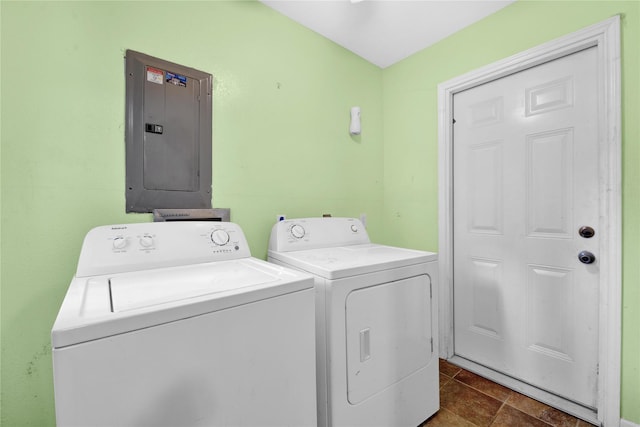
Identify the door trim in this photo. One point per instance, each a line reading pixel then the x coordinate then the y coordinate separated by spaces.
pixel 606 37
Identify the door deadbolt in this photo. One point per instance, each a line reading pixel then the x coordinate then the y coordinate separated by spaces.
pixel 586 257
pixel 586 232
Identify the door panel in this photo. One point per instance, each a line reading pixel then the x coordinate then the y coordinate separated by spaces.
pixel 525 180
pixel 485 214
pixel 549 183
pixel 549 324
pixel 486 276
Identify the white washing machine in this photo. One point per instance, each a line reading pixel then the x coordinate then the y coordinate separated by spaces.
pixel 376 322
pixel 175 324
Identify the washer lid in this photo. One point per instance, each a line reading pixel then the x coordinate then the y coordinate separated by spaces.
pixel 102 306
pixel 346 261
pixel 150 288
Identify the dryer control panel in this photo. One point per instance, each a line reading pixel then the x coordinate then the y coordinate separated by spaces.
pixel 312 233
pixel 132 247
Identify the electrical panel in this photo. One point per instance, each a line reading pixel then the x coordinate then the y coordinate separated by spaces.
pixel 168 135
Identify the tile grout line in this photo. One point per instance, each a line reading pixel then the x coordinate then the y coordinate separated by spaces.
pixel 493 420
pixel 503 403
pixel 516 409
pixel 486 394
pixel 537 418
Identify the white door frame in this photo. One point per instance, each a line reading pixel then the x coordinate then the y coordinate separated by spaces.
pixel 606 36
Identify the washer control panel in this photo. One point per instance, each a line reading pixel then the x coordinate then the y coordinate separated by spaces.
pixel 310 233
pixel 133 247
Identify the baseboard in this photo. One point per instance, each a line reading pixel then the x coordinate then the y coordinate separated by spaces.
pixel 625 423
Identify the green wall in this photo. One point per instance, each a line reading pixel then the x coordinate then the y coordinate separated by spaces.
pixel 280 144
pixel 411 130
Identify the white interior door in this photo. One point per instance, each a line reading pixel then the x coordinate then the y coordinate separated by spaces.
pixel 525 160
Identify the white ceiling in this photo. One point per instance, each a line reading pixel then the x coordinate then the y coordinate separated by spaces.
pixel 386 31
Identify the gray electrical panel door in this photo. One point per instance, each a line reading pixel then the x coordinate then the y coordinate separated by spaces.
pixel 168 135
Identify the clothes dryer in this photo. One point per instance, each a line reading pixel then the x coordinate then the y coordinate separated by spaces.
pixel 376 322
pixel 175 324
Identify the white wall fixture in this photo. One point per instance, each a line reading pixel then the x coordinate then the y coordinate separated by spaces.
pixel 354 127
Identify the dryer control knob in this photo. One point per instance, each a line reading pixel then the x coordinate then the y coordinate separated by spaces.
pixel 146 241
pixel 354 228
pixel 220 237
pixel 119 243
pixel 298 231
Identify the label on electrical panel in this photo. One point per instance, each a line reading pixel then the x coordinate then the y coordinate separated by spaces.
pixel 154 75
pixel 176 79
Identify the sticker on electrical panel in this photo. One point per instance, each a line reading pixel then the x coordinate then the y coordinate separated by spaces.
pixel 176 79
pixel 154 75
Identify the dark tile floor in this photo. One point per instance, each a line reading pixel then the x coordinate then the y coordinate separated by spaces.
pixel 468 400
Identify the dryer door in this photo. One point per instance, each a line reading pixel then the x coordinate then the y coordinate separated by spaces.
pixel 388 335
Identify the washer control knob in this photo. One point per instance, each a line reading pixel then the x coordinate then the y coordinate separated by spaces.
pixel 354 228
pixel 298 231
pixel 146 241
pixel 119 242
pixel 220 237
